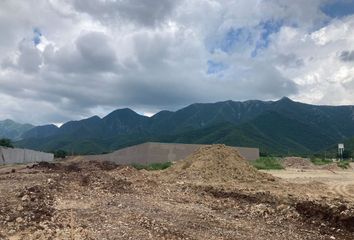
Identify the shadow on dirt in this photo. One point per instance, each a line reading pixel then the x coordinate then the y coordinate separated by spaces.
pixel 339 215
pixel 76 166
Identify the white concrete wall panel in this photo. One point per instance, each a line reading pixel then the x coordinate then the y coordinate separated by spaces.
pixel 17 155
pixel 152 152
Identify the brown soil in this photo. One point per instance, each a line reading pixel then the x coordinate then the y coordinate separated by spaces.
pixel 305 163
pixel 213 194
pixel 216 163
pixel 297 162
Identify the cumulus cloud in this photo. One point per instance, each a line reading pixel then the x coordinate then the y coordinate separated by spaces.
pixel 91 52
pixel 80 58
pixel 29 58
pixel 142 12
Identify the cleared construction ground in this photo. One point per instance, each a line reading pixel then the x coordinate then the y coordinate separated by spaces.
pixel 212 194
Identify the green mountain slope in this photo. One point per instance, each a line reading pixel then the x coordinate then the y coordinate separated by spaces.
pixel 13 130
pixel 279 127
pixel 271 132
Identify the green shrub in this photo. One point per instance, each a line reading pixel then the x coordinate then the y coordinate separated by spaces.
pixel 347 154
pixel 6 143
pixel 320 161
pixel 60 154
pixel 267 163
pixel 343 164
pixel 264 154
pixel 153 166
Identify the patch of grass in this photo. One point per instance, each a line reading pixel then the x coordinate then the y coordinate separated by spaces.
pixel 343 164
pixel 153 166
pixel 320 161
pixel 267 163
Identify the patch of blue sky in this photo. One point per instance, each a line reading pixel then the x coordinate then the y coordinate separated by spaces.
pixel 241 39
pixel 36 36
pixel 234 39
pixel 215 67
pixel 267 28
pixel 338 8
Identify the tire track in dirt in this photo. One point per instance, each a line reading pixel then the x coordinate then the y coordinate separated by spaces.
pixel 344 190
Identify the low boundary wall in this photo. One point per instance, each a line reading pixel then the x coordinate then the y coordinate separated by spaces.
pixel 17 155
pixel 152 152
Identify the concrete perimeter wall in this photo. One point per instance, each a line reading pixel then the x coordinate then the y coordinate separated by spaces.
pixel 17 155
pixel 161 152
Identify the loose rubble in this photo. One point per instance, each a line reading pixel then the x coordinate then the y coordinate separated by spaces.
pixel 212 194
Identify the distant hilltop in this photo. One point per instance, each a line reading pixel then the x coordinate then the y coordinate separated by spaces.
pixel 13 130
pixel 282 126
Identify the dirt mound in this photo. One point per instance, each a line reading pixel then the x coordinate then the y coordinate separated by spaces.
pixel 305 163
pixel 78 166
pixel 51 167
pixel 338 214
pixel 297 162
pixel 45 165
pixel 216 163
pixel 330 167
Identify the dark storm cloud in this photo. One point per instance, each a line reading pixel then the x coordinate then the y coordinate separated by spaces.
pixel 92 52
pixel 142 12
pixel 347 56
pixel 335 8
pixel 95 50
pixel 30 58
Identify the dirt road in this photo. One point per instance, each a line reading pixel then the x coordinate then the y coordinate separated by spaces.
pixel 340 182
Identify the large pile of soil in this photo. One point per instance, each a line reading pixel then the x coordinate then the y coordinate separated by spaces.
pixel 297 162
pixel 305 163
pixel 216 163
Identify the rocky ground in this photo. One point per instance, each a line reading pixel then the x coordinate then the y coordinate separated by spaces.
pixel 305 163
pixel 213 194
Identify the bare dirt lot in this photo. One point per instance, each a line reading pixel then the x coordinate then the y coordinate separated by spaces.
pixel 213 194
pixel 340 182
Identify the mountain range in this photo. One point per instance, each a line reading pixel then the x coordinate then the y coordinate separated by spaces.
pixel 13 130
pixel 279 127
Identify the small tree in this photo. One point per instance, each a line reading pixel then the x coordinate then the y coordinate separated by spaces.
pixel 60 154
pixel 5 142
pixel 264 154
pixel 347 154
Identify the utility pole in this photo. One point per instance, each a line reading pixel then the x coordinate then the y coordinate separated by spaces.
pixel 340 151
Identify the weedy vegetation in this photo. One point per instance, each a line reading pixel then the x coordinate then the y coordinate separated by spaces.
pixel 321 161
pixel 153 166
pixel 343 164
pixel 267 163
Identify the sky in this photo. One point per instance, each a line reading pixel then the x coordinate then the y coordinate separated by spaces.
pixel 70 59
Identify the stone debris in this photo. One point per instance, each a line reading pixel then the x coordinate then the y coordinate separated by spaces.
pixel 212 194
